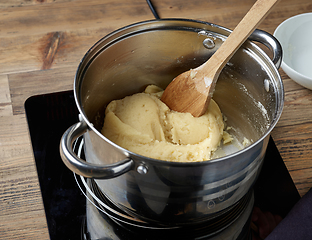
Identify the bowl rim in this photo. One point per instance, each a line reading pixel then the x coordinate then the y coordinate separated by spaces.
pixel 284 65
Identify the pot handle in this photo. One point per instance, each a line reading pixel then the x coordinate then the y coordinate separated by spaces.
pixel 83 168
pixel 270 42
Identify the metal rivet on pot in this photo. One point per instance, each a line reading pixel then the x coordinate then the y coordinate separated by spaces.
pixel 142 169
pixel 221 198
pixel 267 85
pixel 209 43
pixel 211 204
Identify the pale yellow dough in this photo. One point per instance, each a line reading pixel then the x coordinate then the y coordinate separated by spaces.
pixel 143 124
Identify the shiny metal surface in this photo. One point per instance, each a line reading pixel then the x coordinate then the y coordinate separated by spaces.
pixel 235 225
pixel 249 93
pixel 270 42
pixel 82 167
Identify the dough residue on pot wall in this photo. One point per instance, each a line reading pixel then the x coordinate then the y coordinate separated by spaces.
pixel 143 124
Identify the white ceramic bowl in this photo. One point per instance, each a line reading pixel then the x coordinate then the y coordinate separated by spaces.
pixel 295 36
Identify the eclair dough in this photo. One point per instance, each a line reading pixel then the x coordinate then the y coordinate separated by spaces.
pixel 143 124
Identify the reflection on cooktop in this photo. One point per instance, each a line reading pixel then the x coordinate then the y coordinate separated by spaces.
pixel 48 118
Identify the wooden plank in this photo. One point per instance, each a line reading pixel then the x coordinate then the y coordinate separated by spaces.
pixel 53 80
pixel 22 213
pixel 5 97
pixel 296 106
pixel 28 32
pixel 22 3
pixel 23 226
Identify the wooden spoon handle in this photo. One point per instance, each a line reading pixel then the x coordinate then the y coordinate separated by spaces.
pixel 242 31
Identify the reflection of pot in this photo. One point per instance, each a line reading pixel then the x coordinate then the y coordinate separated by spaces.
pixel 249 93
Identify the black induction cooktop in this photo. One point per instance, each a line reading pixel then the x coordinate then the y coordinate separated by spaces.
pixel 48 118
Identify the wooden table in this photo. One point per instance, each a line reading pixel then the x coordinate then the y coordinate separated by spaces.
pixel 41 44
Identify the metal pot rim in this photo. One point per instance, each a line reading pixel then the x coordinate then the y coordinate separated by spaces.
pixel 280 98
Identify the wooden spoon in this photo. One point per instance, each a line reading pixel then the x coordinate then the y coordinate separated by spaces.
pixel 191 91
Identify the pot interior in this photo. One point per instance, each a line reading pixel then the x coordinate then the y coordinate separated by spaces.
pixel 248 90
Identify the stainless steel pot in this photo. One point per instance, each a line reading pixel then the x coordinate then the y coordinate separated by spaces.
pixel 249 93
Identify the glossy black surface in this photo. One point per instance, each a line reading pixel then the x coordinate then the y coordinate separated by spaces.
pixel 48 118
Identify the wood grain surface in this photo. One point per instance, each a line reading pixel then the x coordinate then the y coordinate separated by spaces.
pixel 41 44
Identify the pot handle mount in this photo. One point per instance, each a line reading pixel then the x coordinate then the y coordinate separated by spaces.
pixel 83 168
pixel 271 43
